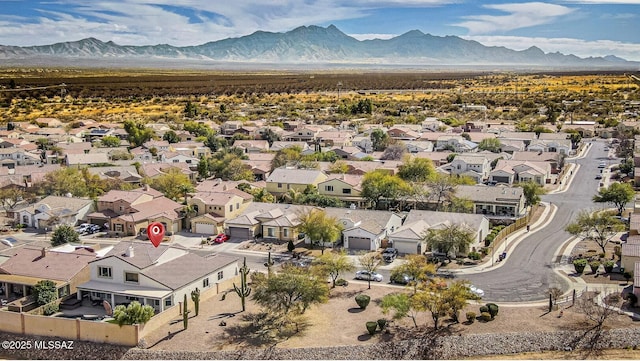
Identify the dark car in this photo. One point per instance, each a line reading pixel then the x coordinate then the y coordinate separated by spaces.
pixel 389 255
pixel 401 278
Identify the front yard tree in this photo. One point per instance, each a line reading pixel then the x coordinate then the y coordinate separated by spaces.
pixel 433 298
pixel 451 239
pixel 289 292
pixel 334 264
pixel 417 268
pixel 318 226
pixel 64 234
pixel 404 305
pixel 457 296
pixel 597 226
pixel 442 188
pixel 370 262
pixel 617 193
pixel 138 133
pixel 532 192
pixel 172 184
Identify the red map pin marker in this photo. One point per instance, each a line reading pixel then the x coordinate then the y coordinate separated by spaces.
pixel 155 232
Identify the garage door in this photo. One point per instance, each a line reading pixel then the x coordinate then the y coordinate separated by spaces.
pixel 237 232
pixel 406 247
pixel 360 243
pixel 205 228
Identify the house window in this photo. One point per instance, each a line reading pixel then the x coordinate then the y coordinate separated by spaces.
pixel 220 275
pixel 237 205
pixel 328 188
pixel 131 277
pixel 121 208
pixel 285 232
pixel 346 190
pixel 156 303
pixel 205 283
pixel 270 232
pixel 279 185
pixel 167 302
pixel 104 272
pixel 118 228
pixel 231 208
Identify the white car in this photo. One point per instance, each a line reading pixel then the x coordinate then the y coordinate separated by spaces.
pixel 476 291
pixel 366 275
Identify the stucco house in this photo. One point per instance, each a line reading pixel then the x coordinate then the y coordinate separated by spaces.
pixel 54 210
pixel 475 166
pixel 283 179
pixel 158 277
pixel 408 239
pixel 494 202
pixel 364 230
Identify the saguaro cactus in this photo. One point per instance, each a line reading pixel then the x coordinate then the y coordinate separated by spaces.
pixel 195 297
pixel 185 313
pixel 243 291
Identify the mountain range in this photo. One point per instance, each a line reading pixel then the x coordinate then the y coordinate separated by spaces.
pixel 319 45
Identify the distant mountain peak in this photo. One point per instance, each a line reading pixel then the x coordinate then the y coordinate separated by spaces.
pixel 320 45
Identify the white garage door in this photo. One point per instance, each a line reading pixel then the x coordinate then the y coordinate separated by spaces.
pixel 205 228
pixel 406 247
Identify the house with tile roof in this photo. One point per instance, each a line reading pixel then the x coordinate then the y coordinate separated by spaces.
pixel 52 211
pixel 494 201
pixel 364 230
pixel 408 238
pixel 155 276
pixel 26 266
pixel 283 179
pixel 219 205
pixel 475 166
pixel 346 187
pixel 511 171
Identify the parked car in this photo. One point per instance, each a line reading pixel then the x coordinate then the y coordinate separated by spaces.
pixel 93 228
pixel 476 291
pixel 602 165
pixel 401 278
pixel 366 275
pixel 6 242
pixel 389 255
pixel 598 176
pixel 221 238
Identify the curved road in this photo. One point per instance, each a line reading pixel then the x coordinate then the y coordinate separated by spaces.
pixel 528 272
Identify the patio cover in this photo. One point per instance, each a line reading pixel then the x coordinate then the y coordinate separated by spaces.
pixel 126 290
pixel 26 280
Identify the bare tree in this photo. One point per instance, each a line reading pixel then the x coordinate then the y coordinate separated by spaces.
pixel 598 311
pixel 370 262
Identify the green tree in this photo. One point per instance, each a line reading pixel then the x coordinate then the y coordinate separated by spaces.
pixel 270 136
pixel 451 239
pixel 339 167
pixel 290 291
pixel 457 296
pixel 532 192
pixel 171 183
pixel 133 314
pixel 11 196
pixel 64 234
pixel 334 263
pixel 319 227
pixel 380 139
pixel 370 262
pixel 416 169
pixel 286 156
pixel 460 205
pixel 627 166
pixel 417 268
pixel 380 185
pixel 110 141
pixel 617 193
pixel 433 298
pixel 262 195
pixel 45 292
pixel 404 305
pixel 171 137
pixel 490 144
pixel 138 133
pixel 203 168
pixel 597 226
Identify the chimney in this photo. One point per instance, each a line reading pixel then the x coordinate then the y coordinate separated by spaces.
pixel 129 253
pixel 43 252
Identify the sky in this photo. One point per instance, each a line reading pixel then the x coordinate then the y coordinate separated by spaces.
pixel 581 27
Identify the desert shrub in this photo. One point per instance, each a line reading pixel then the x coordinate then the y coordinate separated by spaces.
pixel 363 301
pixel 341 282
pixel 382 323
pixel 484 309
pixel 580 265
pixel 493 309
pixel 474 256
pixel 608 266
pixel 485 316
pixel 371 327
pixel 471 316
pixel 594 265
pixel 488 240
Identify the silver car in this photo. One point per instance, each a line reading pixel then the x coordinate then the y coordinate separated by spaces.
pixel 366 275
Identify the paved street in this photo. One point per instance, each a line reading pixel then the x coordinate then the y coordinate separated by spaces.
pixel 528 271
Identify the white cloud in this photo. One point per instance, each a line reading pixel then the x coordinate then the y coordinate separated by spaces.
pixel 605 2
pixel 579 47
pixel 520 15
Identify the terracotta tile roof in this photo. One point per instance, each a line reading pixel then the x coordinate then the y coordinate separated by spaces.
pixel 29 262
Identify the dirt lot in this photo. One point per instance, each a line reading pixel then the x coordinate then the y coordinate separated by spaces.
pixel 341 322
